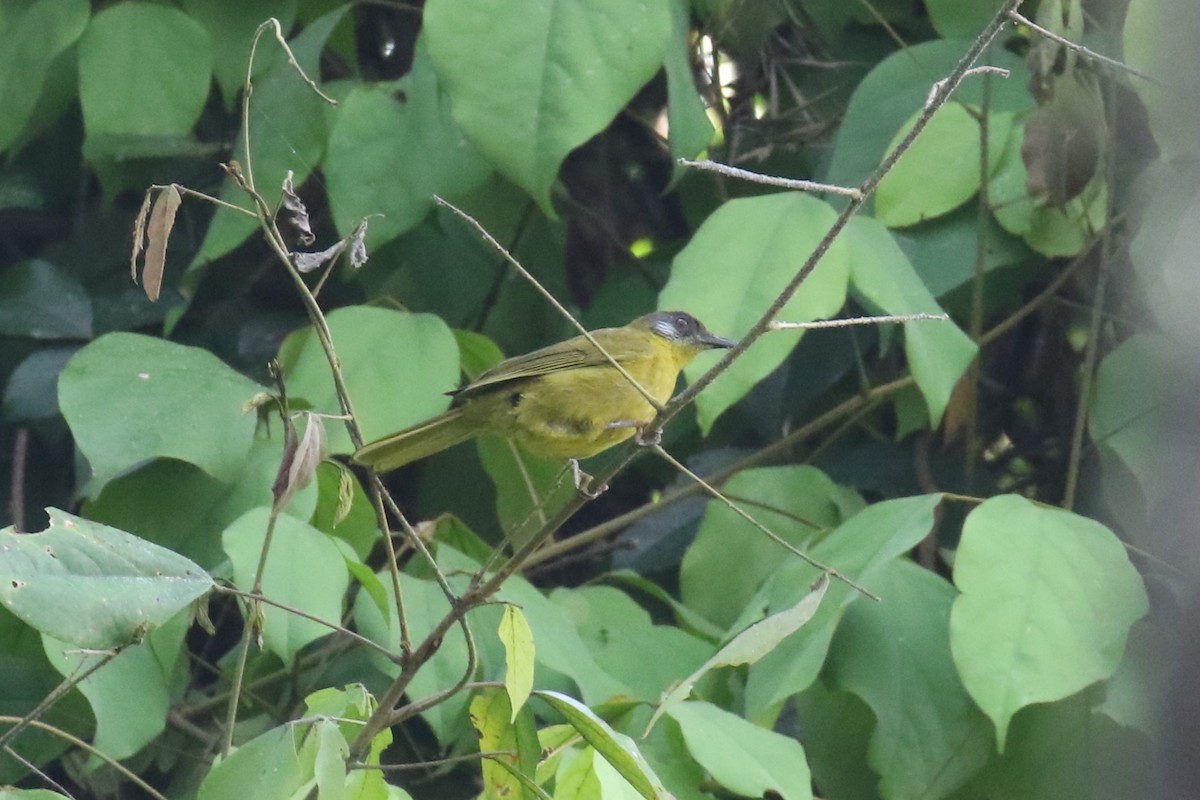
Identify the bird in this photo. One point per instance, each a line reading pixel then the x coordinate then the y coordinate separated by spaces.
pixel 564 401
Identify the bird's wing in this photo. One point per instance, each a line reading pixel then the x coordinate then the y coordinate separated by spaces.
pixel 571 354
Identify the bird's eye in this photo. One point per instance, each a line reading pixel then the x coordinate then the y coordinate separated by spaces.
pixel 683 324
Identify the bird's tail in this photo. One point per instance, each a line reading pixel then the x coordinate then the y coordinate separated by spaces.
pixel 429 437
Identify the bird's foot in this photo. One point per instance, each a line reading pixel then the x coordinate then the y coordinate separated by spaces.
pixel 647 437
pixel 583 482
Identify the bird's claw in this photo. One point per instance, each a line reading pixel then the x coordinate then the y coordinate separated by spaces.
pixel 648 437
pixel 583 482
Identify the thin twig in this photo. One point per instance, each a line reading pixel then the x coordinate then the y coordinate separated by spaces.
pixel 770 534
pixel 983 70
pixel 36 770
pixel 770 180
pixel 75 740
pixel 248 627
pixel 67 684
pixel 776 325
pixel 261 598
pixel 202 196
pixel 16 495
pixel 550 298
pixel 1015 16
pixel 441 762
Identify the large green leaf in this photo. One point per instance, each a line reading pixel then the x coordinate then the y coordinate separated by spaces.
pixel 618 750
pixel 143 69
pixel 532 80
pixel 129 398
pixel 304 570
pixel 859 548
pixel 938 352
pixel 287 132
pixel 941 170
pixel 502 729
pixel 398 367
pixel 231 25
pixel 895 654
pixel 734 267
pixel 796 502
pixel 742 757
pixel 29 43
pixel 39 300
pixel 390 157
pixel 269 767
pixel 1047 601
pixel 92 585
pixel 131 694
pixel 899 85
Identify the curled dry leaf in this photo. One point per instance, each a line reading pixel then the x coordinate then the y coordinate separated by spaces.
pixel 300 458
pixel 308 262
pixel 298 215
pixel 139 234
pixel 162 220
pixel 358 246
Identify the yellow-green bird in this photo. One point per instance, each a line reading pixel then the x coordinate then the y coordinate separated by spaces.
pixel 562 401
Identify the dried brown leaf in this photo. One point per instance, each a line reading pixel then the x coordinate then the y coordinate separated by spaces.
pixel 162 220
pixel 358 246
pixel 299 465
pixel 308 262
pixel 299 212
pixel 139 234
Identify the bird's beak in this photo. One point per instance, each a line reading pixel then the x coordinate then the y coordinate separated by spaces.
pixel 712 340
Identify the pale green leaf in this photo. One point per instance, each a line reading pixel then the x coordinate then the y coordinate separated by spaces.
pixel 938 352
pixel 304 570
pixel 143 69
pixel 742 757
pixel 502 728
pixel 929 738
pixel 530 80
pixel 1047 601
pixel 616 748
pixel 92 585
pixel 129 398
pixel 519 652
pixel 768 238
pixel 397 366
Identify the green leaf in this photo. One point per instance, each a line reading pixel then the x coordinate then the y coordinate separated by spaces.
pixel 29 43
pixel 748 646
pixel 1128 410
pixel 689 129
pixel 619 634
pixel 128 398
pixel 899 85
pixel 268 767
pixel 768 238
pixel 1047 600
pixel 941 170
pixel 742 757
pixel 92 585
pixel 1050 230
pixel 287 132
pixel 808 503
pixel 965 18
pixel 929 738
pixel 859 548
pixel 503 728
pixel 304 570
pixel 30 392
pixel 530 81
pixel 424 605
pixel 836 732
pixel 616 748
pixel 398 367
pixel 518 657
pixel 529 489
pixel 390 157
pixel 200 506
pixel 938 352
pixel 143 69
pixel 39 300
pixel 131 694
pixel 231 25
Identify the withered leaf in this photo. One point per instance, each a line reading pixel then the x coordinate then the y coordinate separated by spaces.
pixel 299 213
pixel 162 220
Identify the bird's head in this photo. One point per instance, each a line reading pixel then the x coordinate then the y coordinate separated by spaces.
pixel 685 333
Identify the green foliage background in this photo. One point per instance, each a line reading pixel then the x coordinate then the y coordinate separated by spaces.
pixel 1013 484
